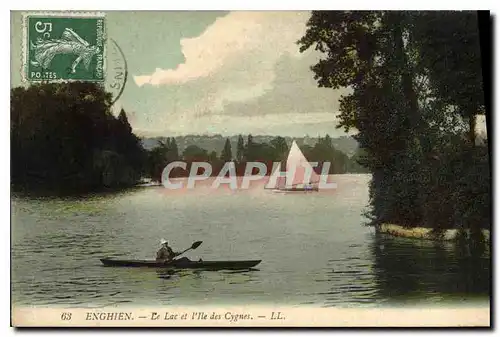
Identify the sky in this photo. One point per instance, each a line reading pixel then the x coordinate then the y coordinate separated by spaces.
pixel 215 73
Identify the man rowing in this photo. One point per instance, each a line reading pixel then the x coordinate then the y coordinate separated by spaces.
pixel 165 253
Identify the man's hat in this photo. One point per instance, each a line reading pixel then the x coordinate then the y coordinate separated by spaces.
pixel 163 241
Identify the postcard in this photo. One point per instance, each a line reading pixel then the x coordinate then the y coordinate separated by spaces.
pixel 250 169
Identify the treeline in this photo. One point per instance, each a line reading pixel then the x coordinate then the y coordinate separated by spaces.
pixel 247 150
pixel 416 81
pixel 211 142
pixel 65 139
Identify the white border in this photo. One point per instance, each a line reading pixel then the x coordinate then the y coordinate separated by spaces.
pixel 256 5
pixel 190 5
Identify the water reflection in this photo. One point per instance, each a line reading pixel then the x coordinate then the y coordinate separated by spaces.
pixel 349 280
pixel 165 274
pixel 197 274
pixel 406 268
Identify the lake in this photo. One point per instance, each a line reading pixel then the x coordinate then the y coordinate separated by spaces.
pixel 314 247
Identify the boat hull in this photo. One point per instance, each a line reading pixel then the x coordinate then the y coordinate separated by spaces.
pixel 291 190
pixel 206 265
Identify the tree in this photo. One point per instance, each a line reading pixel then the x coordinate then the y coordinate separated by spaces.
pixel 212 157
pixel 174 150
pixel 240 150
pixel 364 52
pixel 226 154
pixel 157 161
pixel 449 55
pixel 65 139
pixel 123 121
pixel 324 151
pixel 410 75
pixel 195 153
pixel 249 153
pixel 357 162
pixel 129 144
pixel 280 147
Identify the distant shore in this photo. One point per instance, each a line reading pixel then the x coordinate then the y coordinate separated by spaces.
pixel 423 233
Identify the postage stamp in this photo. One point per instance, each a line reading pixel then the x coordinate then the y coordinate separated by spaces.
pixel 64 47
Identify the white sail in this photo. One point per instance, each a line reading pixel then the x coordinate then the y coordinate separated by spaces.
pixel 299 171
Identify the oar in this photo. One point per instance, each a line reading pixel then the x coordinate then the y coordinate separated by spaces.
pixel 193 246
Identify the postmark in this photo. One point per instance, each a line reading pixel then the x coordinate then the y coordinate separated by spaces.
pixel 116 71
pixel 64 46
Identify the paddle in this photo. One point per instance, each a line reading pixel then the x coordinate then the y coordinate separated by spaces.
pixel 193 246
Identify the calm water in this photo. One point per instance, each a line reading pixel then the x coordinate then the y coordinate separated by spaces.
pixel 314 248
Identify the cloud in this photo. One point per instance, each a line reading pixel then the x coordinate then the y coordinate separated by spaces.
pixel 294 91
pixel 243 74
pixel 237 54
pixel 283 124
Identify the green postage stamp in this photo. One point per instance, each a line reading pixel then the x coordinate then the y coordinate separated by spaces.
pixel 64 46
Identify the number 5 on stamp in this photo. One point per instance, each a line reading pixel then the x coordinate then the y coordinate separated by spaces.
pixel 59 47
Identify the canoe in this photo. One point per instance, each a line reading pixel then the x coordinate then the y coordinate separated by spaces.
pixel 183 264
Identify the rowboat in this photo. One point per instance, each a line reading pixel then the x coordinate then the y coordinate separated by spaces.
pixel 183 264
pixel 296 189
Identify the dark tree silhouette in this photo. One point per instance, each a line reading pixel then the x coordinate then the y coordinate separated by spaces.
pixel 226 154
pixel 240 150
pixel 416 89
pixel 65 139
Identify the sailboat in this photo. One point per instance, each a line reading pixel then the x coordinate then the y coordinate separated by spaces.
pixel 299 166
